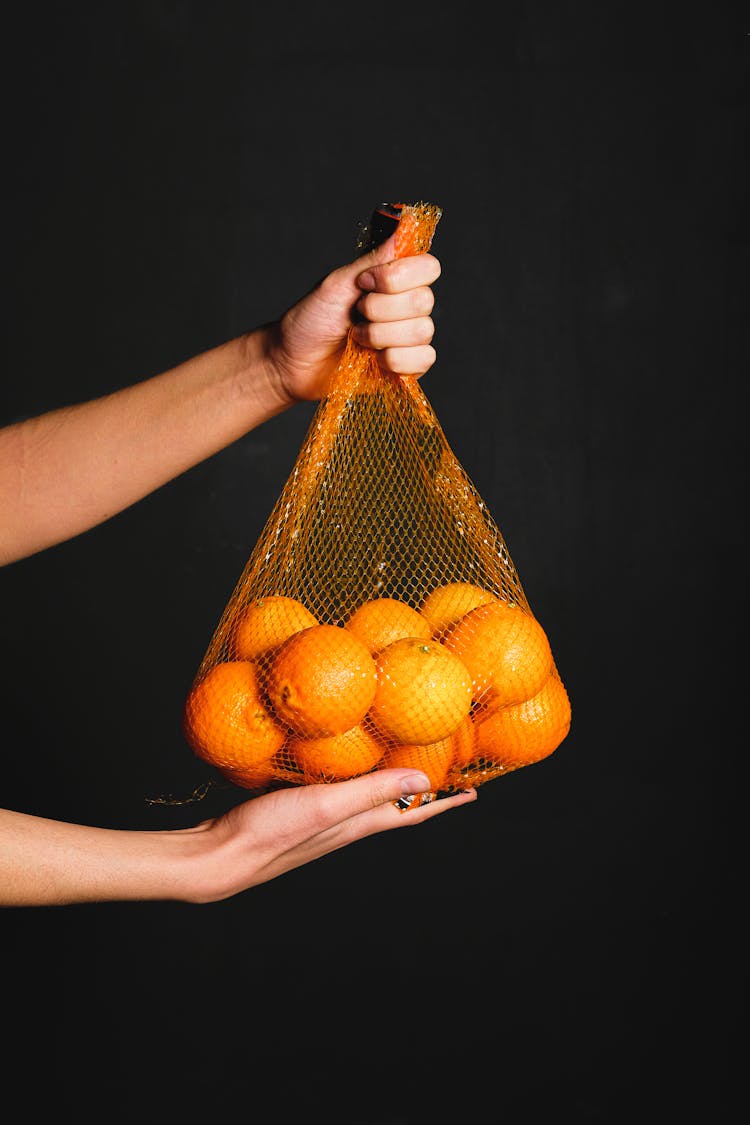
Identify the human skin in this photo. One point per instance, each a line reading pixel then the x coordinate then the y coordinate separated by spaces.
pixel 68 470
pixel 49 862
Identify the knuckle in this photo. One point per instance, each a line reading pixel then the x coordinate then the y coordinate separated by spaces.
pixel 380 792
pixel 398 275
pixel 409 361
pixel 333 286
pixel 427 358
pixel 419 333
pixel 367 306
pixel 424 301
pixel 388 277
pixel 373 335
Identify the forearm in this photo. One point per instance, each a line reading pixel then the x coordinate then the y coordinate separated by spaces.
pixel 51 863
pixel 68 470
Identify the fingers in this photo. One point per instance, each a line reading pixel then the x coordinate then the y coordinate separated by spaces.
pixel 382 819
pixel 345 799
pixel 378 795
pixel 399 275
pixel 411 333
pixel 359 808
pixel 404 346
pixel 387 307
pixel 381 290
pixel 396 305
pixel 413 362
pixel 310 810
pixel 402 338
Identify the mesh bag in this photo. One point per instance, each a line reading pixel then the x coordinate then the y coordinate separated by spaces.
pixel 379 620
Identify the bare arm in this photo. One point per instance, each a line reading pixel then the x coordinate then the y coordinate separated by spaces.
pixel 66 471
pixel 53 863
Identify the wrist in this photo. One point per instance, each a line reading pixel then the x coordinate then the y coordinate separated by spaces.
pixel 261 379
pixel 207 858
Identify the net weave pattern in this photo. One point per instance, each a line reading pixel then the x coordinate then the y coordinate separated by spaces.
pixel 377 509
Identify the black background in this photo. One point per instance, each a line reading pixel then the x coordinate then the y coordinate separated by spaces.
pixel 178 172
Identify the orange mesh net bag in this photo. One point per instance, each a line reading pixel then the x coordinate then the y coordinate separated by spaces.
pixel 379 620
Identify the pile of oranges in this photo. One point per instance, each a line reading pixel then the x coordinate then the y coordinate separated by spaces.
pixel 463 687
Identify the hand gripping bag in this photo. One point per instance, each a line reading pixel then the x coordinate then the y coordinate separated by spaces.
pixel 379 620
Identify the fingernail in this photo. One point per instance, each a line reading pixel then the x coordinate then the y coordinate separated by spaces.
pixel 415 783
pixel 366 280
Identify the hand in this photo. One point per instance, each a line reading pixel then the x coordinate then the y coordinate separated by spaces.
pixel 272 834
pixel 394 299
pixel 95 458
pixel 51 863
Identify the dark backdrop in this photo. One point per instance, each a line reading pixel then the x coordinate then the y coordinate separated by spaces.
pixel 177 172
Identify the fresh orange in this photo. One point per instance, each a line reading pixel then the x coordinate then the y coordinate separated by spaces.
pixel 254 777
pixel 464 742
pixel 432 758
pixel 382 621
pixel 436 758
pixel 226 721
pixel 339 756
pixel 526 732
pixel 445 605
pixel 265 623
pixel 463 772
pixel 321 681
pixel 423 692
pixel 506 651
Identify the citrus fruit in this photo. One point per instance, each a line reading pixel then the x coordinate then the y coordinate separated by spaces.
pixel 265 623
pixel 526 732
pixel 254 777
pixel 444 605
pixel 432 758
pixel 461 774
pixel 338 756
pixel 321 681
pixel 382 621
pixel 423 692
pixel 436 758
pixel 464 742
pixel 226 721
pixel 505 649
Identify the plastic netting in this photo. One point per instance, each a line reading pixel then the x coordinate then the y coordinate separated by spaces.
pixel 379 619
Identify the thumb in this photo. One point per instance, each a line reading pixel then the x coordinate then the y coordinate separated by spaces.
pixel 348 798
pixel 379 255
pixel 345 278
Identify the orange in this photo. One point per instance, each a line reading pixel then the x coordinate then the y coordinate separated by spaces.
pixel 226 721
pixel 526 732
pixel 382 621
pixel 432 758
pixel 462 772
pixel 444 605
pixel 423 692
pixel 339 756
pixel 506 651
pixel 436 758
pixel 254 777
pixel 321 681
pixel 464 742
pixel 265 623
